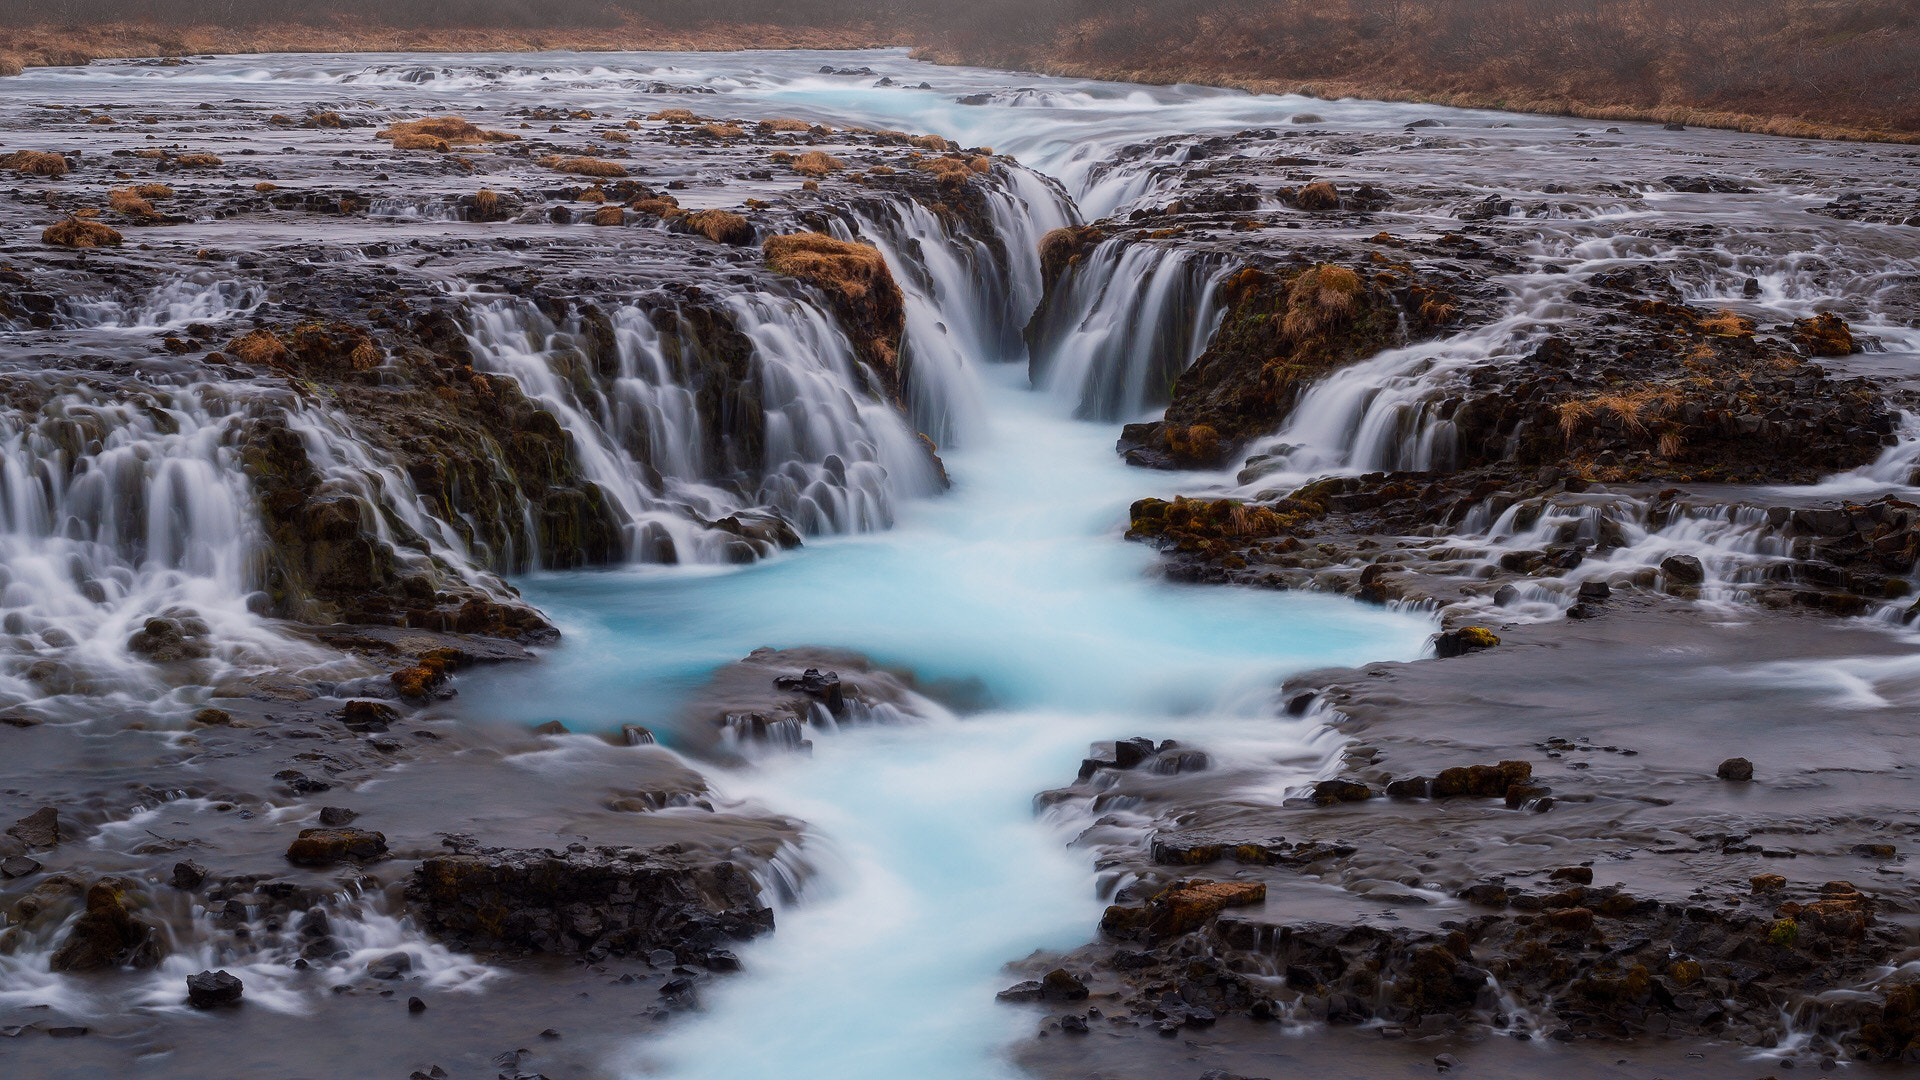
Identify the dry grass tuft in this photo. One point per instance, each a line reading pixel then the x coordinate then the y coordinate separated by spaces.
pixel 817 163
pixel 129 202
pixel 34 163
pixel 486 201
pixel 1320 298
pixel 263 187
pixel 615 135
pixel 1637 409
pixel 723 131
pixel 609 215
pixel 721 226
pixel 955 169
pixel 454 130
pixel 416 141
pixel 778 124
pixel 851 269
pixel 77 232
pixel 932 142
pixel 259 347
pixel 676 116
pixel 583 166
pixel 1726 324
pixel 153 191
pixel 197 161
pixel 659 206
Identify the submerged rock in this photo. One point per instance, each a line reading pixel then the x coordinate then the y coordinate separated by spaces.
pixel 107 935
pixel 608 901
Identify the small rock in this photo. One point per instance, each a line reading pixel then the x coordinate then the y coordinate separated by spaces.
pixel 1061 985
pixel 324 847
pixel 551 727
pixel 1737 769
pixel 1595 590
pixel 1462 641
pixel 40 829
pixel 1683 570
pixel 188 875
pixel 636 735
pixel 1444 1062
pixel 1075 1025
pixel 550 1033
pixel 18 866
pixel 1330 792
pixel 415 1005
pixel 391 966
pixel 211 989
pixel 1022 991
pixel 336 816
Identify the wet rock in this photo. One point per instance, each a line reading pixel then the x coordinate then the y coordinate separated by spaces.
pixel 1594 591
pixel 551 727
pixel 1463 640
pixel 1062 985
pixel 1021 993
pixel 107 935
pixel 40 829
pixel 823 687
pixel 334 817
pixel 416 1006
pixel 213 989
pixel 18 866
pixel 368 716
pixel 389 967
pixel 1481 781
pixel 1179 908
pixel 636 735
pixel 1332 792
pixel 1736 769
pixel 1683 570
pixel 613 901
pixel 328 846
pixel 188 875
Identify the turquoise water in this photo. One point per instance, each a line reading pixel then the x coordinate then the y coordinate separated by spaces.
pixel 929 869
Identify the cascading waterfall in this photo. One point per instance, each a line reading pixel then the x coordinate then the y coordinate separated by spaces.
pixel 116 509
pixel 1122 326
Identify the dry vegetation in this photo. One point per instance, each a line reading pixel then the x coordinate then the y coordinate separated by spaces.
pixel 441 132
pixel 79 232
pixel 34 163
pixel 850 269
pixel 1843 68
pixel 583 166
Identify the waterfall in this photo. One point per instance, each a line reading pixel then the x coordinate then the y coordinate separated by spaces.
pixel 121 507
pixel 1121 327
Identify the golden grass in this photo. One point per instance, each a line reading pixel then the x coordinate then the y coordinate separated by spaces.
pixel 659 206
pixel 721 226
pixel 153 191
pixel 416 141
pixel 129 202
pixel 851 269
pixel 676 116
pixel 486 201
pixel 260 347
pixel 1727 324
pixel 817 163
pixel 197 161
pixel 1319 298
pixel 583 166
pixel 955 169
pixel 615 135
pixel 450 130
pixel 1637 409
pixel 723 131
pixel 34 163
pixel 609 215
pixel 77 232
pixel 932 142
pixel 778 124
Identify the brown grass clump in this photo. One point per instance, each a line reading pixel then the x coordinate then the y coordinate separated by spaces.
pixel 129 202
pixel 723 131
pixel 103 119
pixel 421 142
pixel 615 135
pixel 34 163
pixel 721 226
pixel 197 161
pixel 456 131
pixel 609 215
pixel 1637 409
pixel 593 195
pixel 849 268
pixel 153 191
pixel 583 166
pixel 259 347
pixel 1317 197
pixel 778 124
pixel 676 116
pixel 1726 324
pixel 1320 298
pixel 817 163
pixel 659 206
pixel 486 201
pixel 932 142
pixel 955 170
pixel 77 232
pixel 264 187
pixel 327 119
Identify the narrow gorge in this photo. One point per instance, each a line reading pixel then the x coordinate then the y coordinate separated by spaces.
pixel 791 564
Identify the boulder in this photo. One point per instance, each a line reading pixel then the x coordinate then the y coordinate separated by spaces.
pixel 107 935
pixel 1736 769
pixel 212 989
pixel 325 847
pixel 40 829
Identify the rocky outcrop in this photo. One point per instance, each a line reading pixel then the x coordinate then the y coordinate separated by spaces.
pixel 781 697
pixel 593 903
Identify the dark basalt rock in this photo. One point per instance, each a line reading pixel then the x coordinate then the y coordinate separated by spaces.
pixel 608 901
pixel 328 846
pixel 40 829
pixel 107 935
pixel 1736 769
pixel 213 989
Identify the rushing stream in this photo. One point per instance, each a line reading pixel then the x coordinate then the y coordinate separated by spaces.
pixel 1031 627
